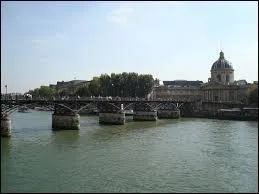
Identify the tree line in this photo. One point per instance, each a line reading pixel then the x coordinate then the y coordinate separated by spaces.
pixel 121 84
pixel 252 94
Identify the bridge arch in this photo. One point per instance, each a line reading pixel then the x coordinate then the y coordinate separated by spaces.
pixel 90 105
pixel 8 111
pixel 129 105
pixel 151 108
pixel 163 104
pixel 66 108
pixel 113 105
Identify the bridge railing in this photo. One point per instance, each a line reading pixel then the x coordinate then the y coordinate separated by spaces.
pixel 95 99
pixel 114 99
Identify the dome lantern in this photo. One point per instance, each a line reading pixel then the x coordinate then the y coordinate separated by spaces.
pixel 221 55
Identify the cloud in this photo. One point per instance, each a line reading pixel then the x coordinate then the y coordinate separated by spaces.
pixel 120 15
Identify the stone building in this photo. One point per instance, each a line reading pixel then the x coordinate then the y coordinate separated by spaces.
pixel 72 83
pixel 220 86
pixel 214 91
pixel 222 71
pixel 177 90
pixel 68 88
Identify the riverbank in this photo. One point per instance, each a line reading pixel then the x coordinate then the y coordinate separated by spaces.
pixel 240 114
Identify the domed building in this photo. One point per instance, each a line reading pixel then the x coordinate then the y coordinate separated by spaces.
pixel 222 71
pixel 220 86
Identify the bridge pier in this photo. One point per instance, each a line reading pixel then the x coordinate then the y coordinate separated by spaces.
pixel 6 126
pixel 63 122
pixel 112 118
pixel 145 115
pixel 168 114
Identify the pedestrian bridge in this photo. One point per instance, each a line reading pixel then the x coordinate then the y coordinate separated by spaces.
pixel 111 111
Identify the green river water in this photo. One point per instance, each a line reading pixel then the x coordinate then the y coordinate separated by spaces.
pixel 183 155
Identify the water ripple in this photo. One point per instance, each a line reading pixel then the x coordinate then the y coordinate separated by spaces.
pixel 185 155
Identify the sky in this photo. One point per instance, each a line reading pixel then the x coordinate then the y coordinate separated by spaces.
pixel 45 42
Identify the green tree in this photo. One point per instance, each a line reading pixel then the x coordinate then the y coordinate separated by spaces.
pixel 62 92
pixel 94 86
pixel 253 94
pixel 105 85
pixel 121 84
pixel 83 90
pixel 133 84
pixel 116 84
pixel 156 82
pixel 35 93
pixel 46 92
pixel 145 85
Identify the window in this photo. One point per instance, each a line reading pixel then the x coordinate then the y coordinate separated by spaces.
pixel 219 77
pixel 227 78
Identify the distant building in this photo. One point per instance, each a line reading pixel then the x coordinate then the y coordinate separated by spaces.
pixel 12 96
pixel 220 86
pixel 177 89
pixel 240 82
pixel 175 92
pixel 69 86
pixel 182 83
pixel 63 84
pixel 222 71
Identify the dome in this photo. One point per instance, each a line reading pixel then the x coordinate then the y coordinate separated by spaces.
pixel 221 63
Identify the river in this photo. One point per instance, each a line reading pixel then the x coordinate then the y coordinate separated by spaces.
pixel 184 155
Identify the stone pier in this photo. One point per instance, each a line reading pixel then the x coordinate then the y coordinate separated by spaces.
pixel 64 118
pixel 168 114
pixel 145 115
pixel 6 126
pixel 144 112
pixel 63 122
pixel 112 118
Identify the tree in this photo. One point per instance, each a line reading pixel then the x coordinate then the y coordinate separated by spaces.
pixel 83 90
pixel 105 84
pixel 62 92
pixel 145 84
pixel 253 94
pixel 156 82
pixel 133 84
pixel 46 92
pixel 121 84
pixel 94 86
pixel 35 93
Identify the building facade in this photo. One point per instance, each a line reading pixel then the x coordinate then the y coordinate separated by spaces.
pixel 222 71
pixel 177 90
pixel 68 88
pixel 221 86
pixel 63 84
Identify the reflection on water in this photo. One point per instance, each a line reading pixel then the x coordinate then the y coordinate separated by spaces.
pixel 179 155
